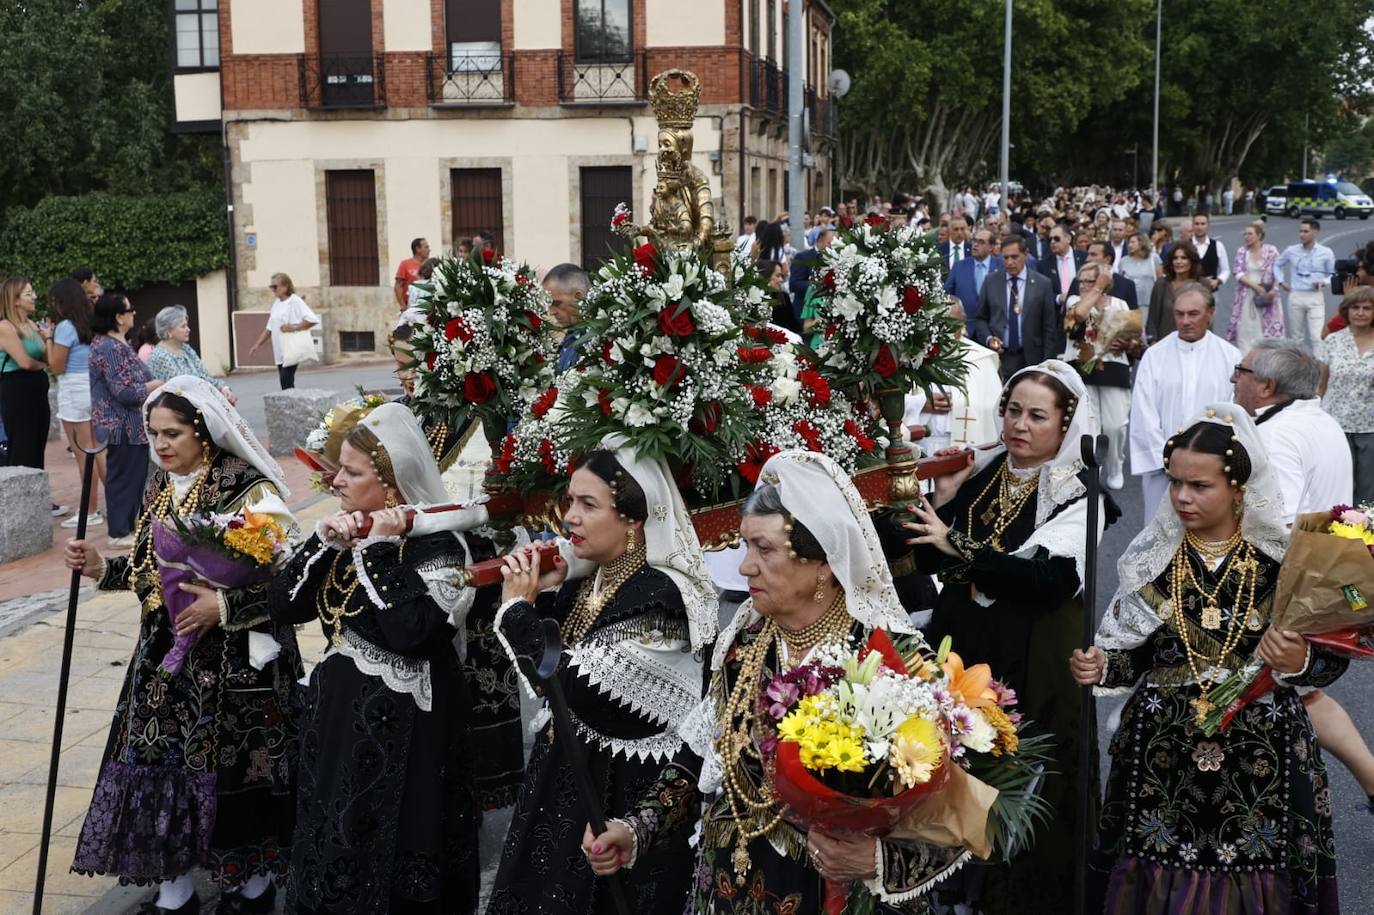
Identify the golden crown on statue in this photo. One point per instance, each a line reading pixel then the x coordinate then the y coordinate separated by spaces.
pixel 675 108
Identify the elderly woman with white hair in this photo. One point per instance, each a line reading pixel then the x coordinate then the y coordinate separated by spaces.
pixel 174 354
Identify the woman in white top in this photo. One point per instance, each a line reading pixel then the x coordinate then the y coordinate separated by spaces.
pixel 1141 265
pixel 1257 311
pixel 289 313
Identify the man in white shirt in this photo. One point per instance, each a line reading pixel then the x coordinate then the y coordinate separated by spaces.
pixel 1312 265
pixel 1216 266
pixel 1117 237
pixel 745 243
pixel 1277 383
pixel 1177 377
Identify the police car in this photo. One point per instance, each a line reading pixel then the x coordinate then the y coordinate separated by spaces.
pixel 1276 199
pixel 1323 198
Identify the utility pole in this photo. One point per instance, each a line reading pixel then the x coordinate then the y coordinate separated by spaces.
pixel 1154 160
pixel 1306 120
pixel 1003 172
pixel 796 193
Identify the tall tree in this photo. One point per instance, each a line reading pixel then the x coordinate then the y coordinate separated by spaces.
pixel 88 105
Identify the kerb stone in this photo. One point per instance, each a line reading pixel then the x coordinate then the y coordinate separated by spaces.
pixel 293 414
pixel 25 522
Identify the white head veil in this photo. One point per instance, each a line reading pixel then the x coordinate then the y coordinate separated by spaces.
pixel 818 493
pixel 1059 481
pixel 226 427
pixel 412 460
pixel 670 540
pixel 1261 525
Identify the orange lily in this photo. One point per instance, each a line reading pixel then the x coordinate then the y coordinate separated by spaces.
pixel 973 686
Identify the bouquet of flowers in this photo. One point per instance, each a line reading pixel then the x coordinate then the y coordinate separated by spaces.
pixel 1101 333
pixel 666 364
pixel 216 549
pixel 321 449
pixel 883 312
pixel 1325 585
pixel 885 741
pixel 483 349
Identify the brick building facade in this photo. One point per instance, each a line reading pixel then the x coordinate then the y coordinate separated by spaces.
pixel 352 126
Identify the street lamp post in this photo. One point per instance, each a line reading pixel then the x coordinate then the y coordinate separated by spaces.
pixel 1006 108
pixel 1154 159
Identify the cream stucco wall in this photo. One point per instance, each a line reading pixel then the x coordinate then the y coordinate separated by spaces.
pixel 538 24
pixel 212 309
pixel 412 206
pixel 281 194
pixel 267 27
pixel 406 25
pixel 672 23
pixel 197 96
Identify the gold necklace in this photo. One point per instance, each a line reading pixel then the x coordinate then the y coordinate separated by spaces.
pixel 336 582
pixel 749 802
pixel 597 592
pixel 162 507
pixel 1005 507
pixel 832 625
pixel 1181 571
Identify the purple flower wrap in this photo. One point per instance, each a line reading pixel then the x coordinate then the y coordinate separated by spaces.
pixel 182 563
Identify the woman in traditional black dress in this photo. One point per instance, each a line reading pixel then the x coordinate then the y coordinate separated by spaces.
pixel 1237 822
pixel 1008 536
pixel 636 609
pixel 201 763
pixel 387 819
pixel 817 576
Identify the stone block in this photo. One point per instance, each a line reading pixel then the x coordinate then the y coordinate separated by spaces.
pixel 26 522
pixel 54 424
pixel 293 414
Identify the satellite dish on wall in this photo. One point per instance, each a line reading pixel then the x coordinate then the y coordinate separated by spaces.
pixel 839 83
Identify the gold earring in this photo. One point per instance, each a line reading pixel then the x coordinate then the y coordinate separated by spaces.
pixel 820 589
pixel 391 499
pixel 629 539
pixel 1239 509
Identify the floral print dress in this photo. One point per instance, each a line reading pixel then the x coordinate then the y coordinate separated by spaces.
pixel 1238 822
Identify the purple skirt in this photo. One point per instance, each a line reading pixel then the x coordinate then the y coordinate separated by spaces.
pixel 147 823
pixel 1139 887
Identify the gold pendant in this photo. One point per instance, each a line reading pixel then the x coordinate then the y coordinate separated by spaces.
pixel 336 639
pixel 1211 617
pixel 1254 623
pixel 1202 705
pixel 740 860
pixel 989 516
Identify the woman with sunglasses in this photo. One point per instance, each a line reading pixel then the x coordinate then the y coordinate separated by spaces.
pixel 120 383
pixel 289 314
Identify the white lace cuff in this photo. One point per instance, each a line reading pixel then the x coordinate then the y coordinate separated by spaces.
pixel 501 637
pixel 1306 663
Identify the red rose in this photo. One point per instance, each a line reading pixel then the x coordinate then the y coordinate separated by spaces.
pixel 751 355
pixel 535 321
pixel 828 280
pixel 507 457
pixel 458 328
pixel 606 352
pixel 755 456
pixel 478 387
pixel 522 279
pixel 538 358
pixel 818 389
pixel 885 364
pixel 676 321
pixel 873 219
pixel 619 219
pixel 430 359
pixel 911 300
pixel 488 255
pixel 668 371
pixel 603 400
pixel 762 396
pixel 545 402
pixel 830 330
pixel 933 352
pixel 646 257
pixel 546 456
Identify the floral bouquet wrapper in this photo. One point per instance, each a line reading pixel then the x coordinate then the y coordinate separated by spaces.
pixel 181 562
pixel 1325 592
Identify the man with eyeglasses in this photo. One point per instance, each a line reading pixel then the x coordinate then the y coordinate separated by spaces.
pixel 966 278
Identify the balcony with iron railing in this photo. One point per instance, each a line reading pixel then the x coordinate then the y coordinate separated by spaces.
pixel 603 82
pixel 767 88
pixel 472 80
pixel 342 81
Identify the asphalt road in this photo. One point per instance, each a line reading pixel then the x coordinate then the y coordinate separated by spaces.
pixel 1354 827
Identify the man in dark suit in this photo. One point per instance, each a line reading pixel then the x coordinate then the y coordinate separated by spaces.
pixel 966 278
pixel 1062 269
pixel 799 274
pixel 1015 315
pixel 1100 252
pixel 959 228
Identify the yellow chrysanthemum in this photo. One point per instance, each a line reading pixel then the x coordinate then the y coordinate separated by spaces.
pixel 917 748
pixel 1351 532
pixel 822 742
pixel 1007 740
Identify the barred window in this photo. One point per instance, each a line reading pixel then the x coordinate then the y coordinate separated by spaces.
pixel 351 214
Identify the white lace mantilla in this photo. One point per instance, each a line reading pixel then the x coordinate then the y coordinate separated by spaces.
pixel 659 679
pixel 409 676
pixel 698 730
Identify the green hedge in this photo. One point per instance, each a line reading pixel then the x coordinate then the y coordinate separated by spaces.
pixel 130 242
